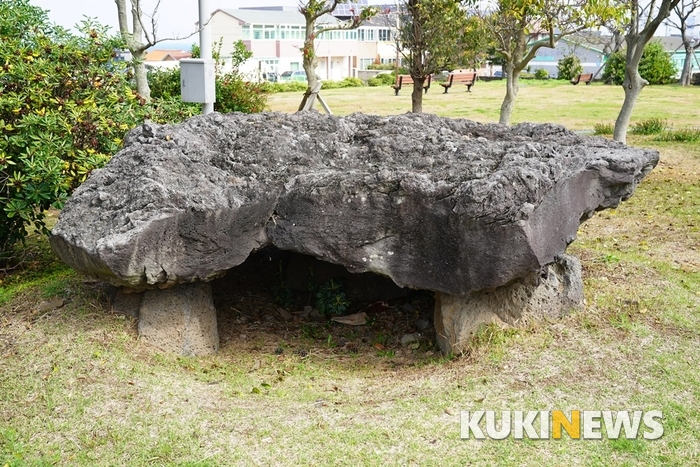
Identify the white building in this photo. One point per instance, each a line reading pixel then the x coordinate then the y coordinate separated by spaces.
pixel 275 35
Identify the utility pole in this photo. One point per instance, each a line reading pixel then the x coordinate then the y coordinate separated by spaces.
pixel 205 46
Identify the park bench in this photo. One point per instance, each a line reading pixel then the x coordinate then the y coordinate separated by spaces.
pixel 460 77
pixel 582 78
pixel 405 80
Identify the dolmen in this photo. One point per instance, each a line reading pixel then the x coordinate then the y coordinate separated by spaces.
pixel 480 214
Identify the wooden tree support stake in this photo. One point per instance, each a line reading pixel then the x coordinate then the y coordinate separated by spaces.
pixel 307 102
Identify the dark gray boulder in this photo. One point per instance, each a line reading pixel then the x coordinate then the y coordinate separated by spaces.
pixel 433 203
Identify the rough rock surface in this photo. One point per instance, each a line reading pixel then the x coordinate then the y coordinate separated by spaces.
pixel 439 204
pixel 180 320
pixel 553 293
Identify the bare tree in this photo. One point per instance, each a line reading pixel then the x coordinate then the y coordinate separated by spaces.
pixel 683 11
pixel 512 22
pixel 313 10
pixel 139 37
pixel 644 20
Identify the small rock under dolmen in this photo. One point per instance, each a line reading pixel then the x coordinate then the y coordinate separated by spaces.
pixel 452 206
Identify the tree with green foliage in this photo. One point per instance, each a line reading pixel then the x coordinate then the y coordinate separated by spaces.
pixel 642 21
pixel 656 66
pixel 431 39
pixel 512 23
pixel 569 67
pixel 313 10
pixel 65 106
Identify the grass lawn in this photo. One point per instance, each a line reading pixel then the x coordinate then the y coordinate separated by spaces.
pixel 577 107
pixel 78 388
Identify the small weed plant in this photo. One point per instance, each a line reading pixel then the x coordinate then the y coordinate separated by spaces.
pixel 603 128
pixel 651 126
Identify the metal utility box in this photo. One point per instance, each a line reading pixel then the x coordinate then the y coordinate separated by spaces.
pixel 197 82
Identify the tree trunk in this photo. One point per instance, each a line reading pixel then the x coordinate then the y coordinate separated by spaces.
pixel 417 95
pixel 140 74
pixel 512 77
pixel 310 62
pixel 633 85
pixel 687 65
pixel 134 43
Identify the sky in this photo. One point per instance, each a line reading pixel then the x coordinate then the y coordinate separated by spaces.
pixel 174 17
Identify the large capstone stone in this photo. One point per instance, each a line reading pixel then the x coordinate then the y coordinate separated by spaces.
pixel 432 203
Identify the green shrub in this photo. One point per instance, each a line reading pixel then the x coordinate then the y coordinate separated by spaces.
pixel 651 126
pixel 604 128
pixel 691 135
pixel 614 72
pixel 655 66
pixel 292 86
pixel 345 83
pixel 164 83
pixel 381 66
pixel 385 79
pixel 65 106
pixel 541 73
pixel 569 67
pixel 235 95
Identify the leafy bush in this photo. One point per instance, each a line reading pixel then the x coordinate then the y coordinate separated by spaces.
pixel 235 95
pixel 385 79
pixel 604 128
pixel 569 67
pixel 651 126
pixel 541 73
pixel 381 66
pixel 65 105
pixel 348 82
pixel 655 66
pixel 164 83
pixel 292 86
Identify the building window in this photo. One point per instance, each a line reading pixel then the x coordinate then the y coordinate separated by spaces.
pixel 385 35
pixel 366 35
pixel 294 66
pixel 386 61
pixel 365 62
pixel 270 32
pixel 257 31
pixel 246 32
pixel 297 33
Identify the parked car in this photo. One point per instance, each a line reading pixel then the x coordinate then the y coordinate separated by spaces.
pixel 289 76
pixel 270 76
